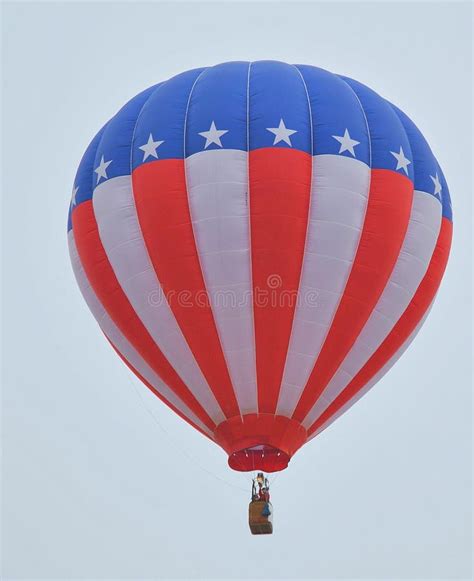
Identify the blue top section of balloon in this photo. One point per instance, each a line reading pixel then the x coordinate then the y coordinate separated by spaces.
pixel 250 106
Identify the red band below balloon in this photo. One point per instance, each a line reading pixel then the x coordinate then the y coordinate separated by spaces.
pixel 260 441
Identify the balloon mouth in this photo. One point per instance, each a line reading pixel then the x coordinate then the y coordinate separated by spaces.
pixel 264 458
pixel 260 441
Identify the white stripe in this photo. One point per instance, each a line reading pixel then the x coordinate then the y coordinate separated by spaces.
pixel 410 268
pixel 339 197
pixel 218 201
pixel 122 239
pixel 375 379
pixel 119 341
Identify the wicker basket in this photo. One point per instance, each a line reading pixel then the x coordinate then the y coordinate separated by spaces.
pixel 259 523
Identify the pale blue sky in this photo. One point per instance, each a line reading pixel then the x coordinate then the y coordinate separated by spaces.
pixel 100 481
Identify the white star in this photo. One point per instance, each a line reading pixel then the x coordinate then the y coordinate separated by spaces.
pixel 402 161
pixel 150 147
pixel 213 135
pixel 347 144
pixel 101 170
pixel 73 197
pixel 437 185
pixel 281 133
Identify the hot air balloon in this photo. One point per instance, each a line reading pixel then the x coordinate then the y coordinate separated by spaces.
pixel 259 242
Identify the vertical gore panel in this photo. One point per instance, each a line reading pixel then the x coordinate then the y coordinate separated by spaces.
pixel 217 180
pixel 161 198
pixel 279 189
pixel 339 193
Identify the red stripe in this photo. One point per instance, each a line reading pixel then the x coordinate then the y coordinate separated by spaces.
pixel 405 326
pixel 108 290
pixel 162 205
pixel 385 225
pixel 157 393
pixel 280 189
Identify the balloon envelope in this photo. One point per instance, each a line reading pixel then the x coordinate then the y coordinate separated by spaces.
pixel 259 242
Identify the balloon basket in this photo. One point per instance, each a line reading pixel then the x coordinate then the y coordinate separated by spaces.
pixel 260 517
